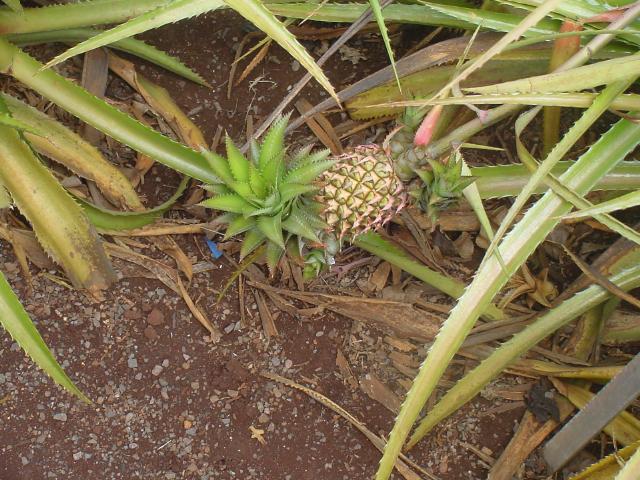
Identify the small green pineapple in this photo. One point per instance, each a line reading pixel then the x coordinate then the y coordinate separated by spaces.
pixel 440 186
pixel 272 198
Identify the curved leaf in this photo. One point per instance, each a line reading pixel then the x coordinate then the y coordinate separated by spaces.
pixel 168 13
pixel 16 321
pixel 258 14
pixel 101 115
pixel 112 220
pixel 128 45
pixel 59 223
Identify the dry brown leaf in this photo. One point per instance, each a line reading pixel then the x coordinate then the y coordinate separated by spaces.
pixel 403 320
pixel 464 246
pixel 169 246
pixel 381 393
pixel 529 435
pixel 321 127
pixel 95 73
pixel 380 276
pixel 255 61
pixel 27 242
pixel 268 324
pixel 216 335
pixel 160 101
pixel 404 359
pixel 399 344
pixel 345 369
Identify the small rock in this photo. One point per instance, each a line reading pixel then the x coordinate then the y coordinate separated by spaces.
pixel 157 370
pixel 77 456
pixel 263 418
pixel 133 363
pixel 61 417
pixel 132 314
pixel 155 317
pixel 187 424
pixel 150 333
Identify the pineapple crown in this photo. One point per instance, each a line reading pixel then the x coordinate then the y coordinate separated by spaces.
pixel 268 197
pixel 441 185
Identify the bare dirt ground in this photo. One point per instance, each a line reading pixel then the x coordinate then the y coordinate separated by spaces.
pixel 168 402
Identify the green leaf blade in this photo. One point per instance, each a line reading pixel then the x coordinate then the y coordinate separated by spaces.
pixel 17 323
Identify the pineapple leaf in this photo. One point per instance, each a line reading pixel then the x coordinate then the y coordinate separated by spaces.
pixel 308 172
pixel 301 154
pixel 16 321
pixel 243 189
pixel 258 14
pixel 274 169
pixel 228 203
pixel 311 213
pixel 252 240
pixel 217 188
pixel 273 254
pixel 377 13
pixel 128 45
pixel 492 275
pixel 238 164
pixel 298 224
pixel 271 227
pixel 257 183
pixel 315 157
pixel 289 191
pixel 219 166
pixel 170 13
pixel 14 5
pixel 254 151
pixel 5 198
pixel 273 144
pixel 238 225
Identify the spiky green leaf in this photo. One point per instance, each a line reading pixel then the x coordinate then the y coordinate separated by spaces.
pixel 289 191
pixel 273 254
pixel 238 164
pixel 308 172
pixel 14 5
pixel 271 227
pixel 257 183
pixel 217 188
pixel 256 12
pixel 299 223
pixel 228 203
pixel 16 321
pixel 127 45
pixel 219 166
pixel 252 240
pixel 170 13
pixel 238 225
pixel 273 144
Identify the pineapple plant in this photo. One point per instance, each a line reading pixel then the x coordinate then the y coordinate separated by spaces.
pixel 307 197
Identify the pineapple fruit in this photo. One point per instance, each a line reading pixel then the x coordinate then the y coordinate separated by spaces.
pixel 273 198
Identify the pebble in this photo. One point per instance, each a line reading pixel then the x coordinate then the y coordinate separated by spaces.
pixel 61 417
pixel 133 363
pixel 150 333
pixel 155 317
pixel 157 370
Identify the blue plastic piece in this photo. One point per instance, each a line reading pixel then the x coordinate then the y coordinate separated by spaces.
pixel 213 248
